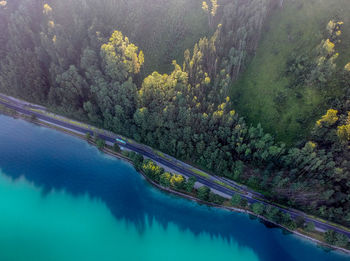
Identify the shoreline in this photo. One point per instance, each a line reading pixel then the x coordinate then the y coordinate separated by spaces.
pixel 107 151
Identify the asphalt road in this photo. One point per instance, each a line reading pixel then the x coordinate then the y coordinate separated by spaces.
pixel 183 170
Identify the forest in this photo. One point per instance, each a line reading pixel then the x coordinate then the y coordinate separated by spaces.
pixel 83 58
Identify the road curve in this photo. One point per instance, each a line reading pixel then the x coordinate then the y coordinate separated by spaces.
pixel 17 106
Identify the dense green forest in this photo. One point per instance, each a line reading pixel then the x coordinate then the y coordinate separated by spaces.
pixel 89 60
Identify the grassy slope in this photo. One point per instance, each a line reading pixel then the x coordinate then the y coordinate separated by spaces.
pixel 298 27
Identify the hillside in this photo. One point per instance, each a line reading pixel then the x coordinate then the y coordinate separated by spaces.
pixel 265 93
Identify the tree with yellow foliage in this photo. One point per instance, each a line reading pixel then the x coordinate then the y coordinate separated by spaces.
pixel 120 57
pixel 311 145
pixel 165 179
pixel 47 9
pixel 177 181
pixel 205 7
pixel 347 67
pixel 343 131
pixel 325 64
pixel 211 11
pixel 329 119
pixel 329 47
pixel 152 170
pixel 334 30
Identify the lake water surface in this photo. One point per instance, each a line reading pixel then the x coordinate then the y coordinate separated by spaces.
pixel 61 199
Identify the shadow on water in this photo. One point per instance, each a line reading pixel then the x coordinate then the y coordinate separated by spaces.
pixel 53 161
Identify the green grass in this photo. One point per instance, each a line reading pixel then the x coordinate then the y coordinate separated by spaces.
pixel 298 27
pixel 159 153
pixel 228 186
pixel 200 173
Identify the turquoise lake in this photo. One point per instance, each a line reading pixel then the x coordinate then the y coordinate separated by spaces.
pixel 62 199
